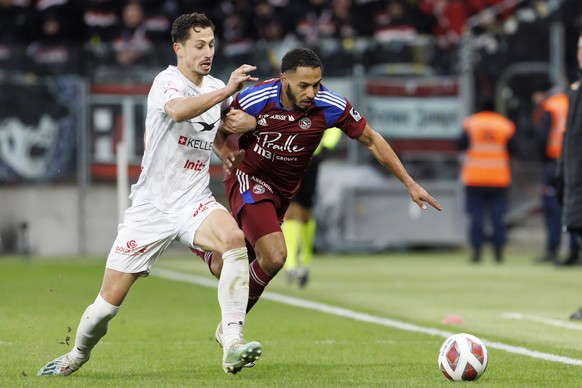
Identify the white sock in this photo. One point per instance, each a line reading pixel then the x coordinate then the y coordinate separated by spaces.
pixel 233 293
pixel 93 326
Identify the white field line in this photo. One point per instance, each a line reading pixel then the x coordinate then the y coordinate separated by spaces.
pixel 358 316
pixel 546 321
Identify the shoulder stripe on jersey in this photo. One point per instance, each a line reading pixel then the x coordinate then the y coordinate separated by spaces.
pixel 243 181
pixel 334 102
pixel 258 95
pixel 258 99
pixel 330 95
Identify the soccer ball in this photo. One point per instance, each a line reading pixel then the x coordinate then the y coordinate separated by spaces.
pixel 463 357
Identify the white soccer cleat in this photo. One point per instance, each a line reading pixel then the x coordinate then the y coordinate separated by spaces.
pixel 218 334
pixel 239 354
pixel 63 366
pixel 218 337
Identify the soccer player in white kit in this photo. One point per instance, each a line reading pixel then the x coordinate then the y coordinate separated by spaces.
pixel 172 199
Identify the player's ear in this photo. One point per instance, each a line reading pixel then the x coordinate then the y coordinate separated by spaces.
pixel 283 78
pixel 178 49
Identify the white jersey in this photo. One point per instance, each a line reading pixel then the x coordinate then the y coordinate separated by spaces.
pixel 175 165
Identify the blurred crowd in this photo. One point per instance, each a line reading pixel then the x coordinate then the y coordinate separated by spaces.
pixel 78 36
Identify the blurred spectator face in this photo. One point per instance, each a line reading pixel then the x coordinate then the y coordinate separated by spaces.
pixel 580 52
pixel 51 26
pixel 395 9
pixel 272 31
pixel 317 3
pixel 538 97
pixel 132 15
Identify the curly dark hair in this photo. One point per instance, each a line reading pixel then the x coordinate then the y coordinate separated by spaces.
pixel 299 57
pixel 183 24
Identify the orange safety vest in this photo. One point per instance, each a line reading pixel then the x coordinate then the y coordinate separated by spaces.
pixel 486 162
pixel 557 106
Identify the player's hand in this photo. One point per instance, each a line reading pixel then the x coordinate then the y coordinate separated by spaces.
pixel 239 76
pixel 420 196
pixel 232 160
pixel 237 121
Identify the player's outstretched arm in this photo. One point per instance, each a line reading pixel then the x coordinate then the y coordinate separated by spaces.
pixel 182 109
pixel 384 154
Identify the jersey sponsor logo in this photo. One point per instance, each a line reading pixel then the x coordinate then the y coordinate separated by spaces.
pixel 278 117
pixel 286 158
pixel 355 114
pixel 259 189
pixel 305 123
pixel 268 144
pixel 195 166
pixel 205 126
pixel 262 122
pixel 262 183
pixel 195 143
pixel 130 249
pixel 202 207
pixel 169 86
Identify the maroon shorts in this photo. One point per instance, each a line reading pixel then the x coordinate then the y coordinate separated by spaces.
pixel 255 205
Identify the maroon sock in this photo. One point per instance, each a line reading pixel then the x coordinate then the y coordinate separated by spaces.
pixel 205 256
pixel 258 280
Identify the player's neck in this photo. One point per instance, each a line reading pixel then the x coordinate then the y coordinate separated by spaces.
pixel 193 77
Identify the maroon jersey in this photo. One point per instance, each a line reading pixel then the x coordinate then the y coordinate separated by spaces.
pixel 279 150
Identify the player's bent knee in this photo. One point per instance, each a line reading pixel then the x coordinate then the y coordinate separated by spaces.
pixel 273 262
pixel 233 238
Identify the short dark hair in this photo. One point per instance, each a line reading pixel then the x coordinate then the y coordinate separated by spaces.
pixel 183 24
pixel 299 57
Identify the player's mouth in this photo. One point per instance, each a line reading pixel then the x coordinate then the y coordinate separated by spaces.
pixel 206 65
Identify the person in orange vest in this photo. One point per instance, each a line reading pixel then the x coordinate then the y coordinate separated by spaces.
pixel 488 139
pixel 553 111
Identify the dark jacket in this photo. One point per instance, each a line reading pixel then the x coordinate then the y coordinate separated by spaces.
pixel 570 164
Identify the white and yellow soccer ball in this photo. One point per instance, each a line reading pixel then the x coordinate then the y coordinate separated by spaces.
pixel 463 357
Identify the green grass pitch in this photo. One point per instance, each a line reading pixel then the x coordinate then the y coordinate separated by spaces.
pixel 163 334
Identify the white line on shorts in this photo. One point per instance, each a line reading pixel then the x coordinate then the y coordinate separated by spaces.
pixel 358 316
pixel 545 321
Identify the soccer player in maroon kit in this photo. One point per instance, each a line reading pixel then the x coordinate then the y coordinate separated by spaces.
pixel 292 112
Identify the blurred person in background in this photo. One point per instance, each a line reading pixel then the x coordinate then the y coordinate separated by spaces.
pixel 172 200
pixel 299 225
pixel 17 30
pixel 569 167
pixel 488 139
pixel 552 111
pixel 56 49
pixel 131 44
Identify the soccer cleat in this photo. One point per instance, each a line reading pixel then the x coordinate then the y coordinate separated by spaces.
pixel 239 354
pixel 64 365
pixel 218 334
pixel 218 337
pixel 290 275
pixel 576 315
pixel 302 276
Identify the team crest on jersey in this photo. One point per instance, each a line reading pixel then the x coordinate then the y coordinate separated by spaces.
pixel 355 114
pixel 305 123
pixel 258 189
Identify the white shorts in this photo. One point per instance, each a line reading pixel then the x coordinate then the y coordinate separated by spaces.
pixel 146 232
